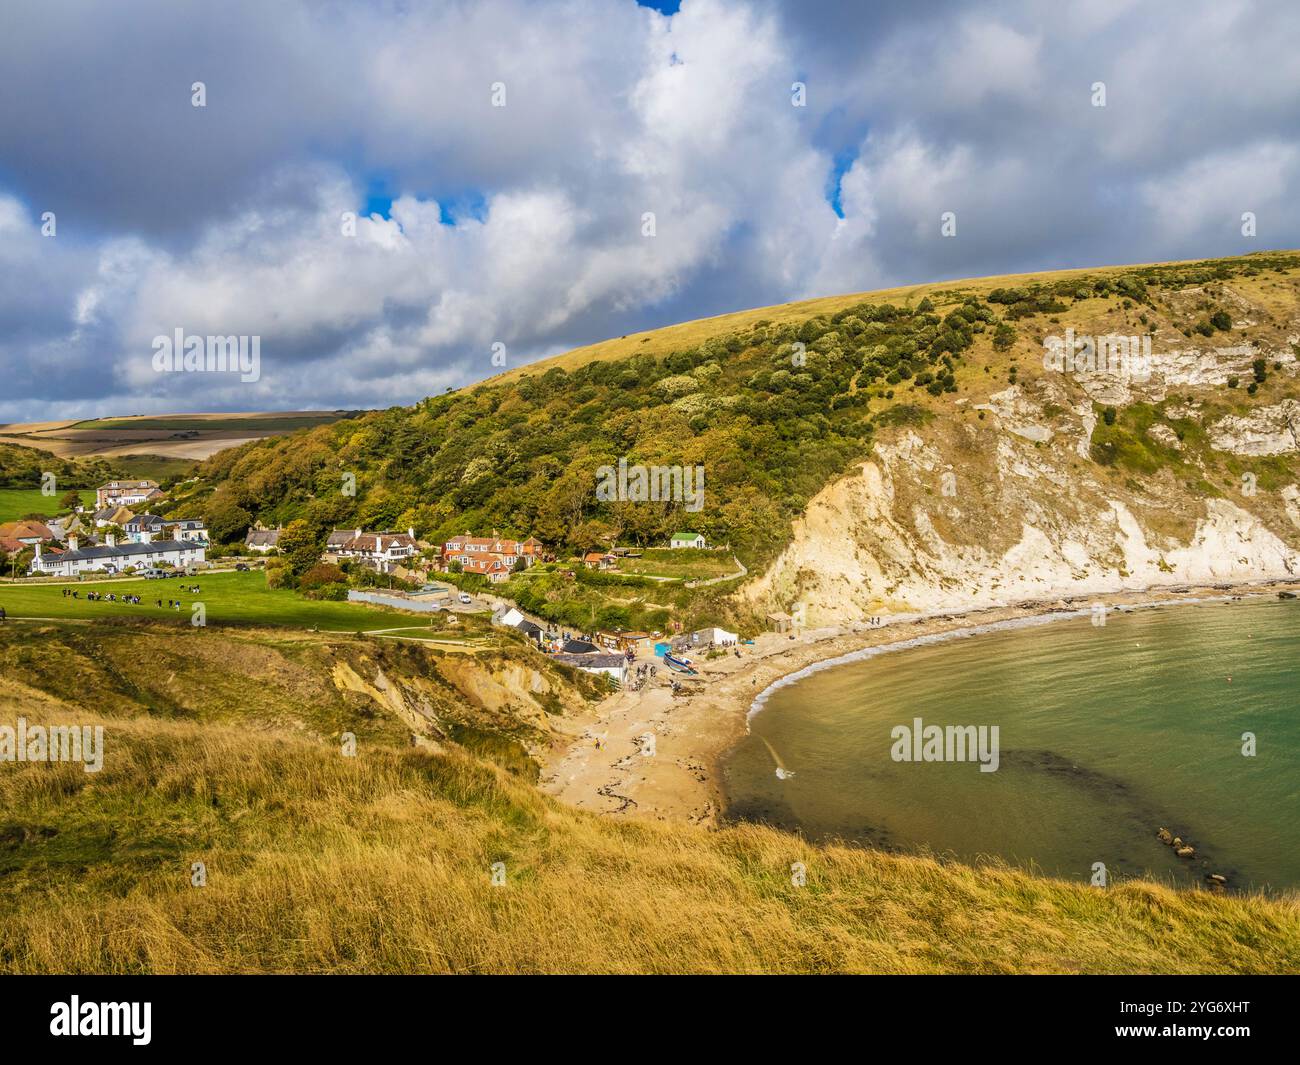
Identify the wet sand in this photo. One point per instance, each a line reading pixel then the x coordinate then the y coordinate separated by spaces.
pixel 602 760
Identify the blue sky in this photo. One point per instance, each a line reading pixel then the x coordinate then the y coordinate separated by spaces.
pixel 500 160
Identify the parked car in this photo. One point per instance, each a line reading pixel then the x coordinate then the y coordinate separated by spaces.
pixel 464 598
pixel 153 574
pixel 242 566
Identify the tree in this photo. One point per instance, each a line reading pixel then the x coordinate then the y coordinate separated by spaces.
pixel 226 520
pixel 70 500
pixel 299 548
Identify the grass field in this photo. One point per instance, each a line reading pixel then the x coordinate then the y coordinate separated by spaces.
pixel 15 502
pixel 685 563
pixel 382 863
pixel 228 599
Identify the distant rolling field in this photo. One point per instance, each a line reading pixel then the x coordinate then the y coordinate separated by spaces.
pixel 178 438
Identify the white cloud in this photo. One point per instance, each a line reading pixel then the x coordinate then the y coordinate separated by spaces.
pixel 227 221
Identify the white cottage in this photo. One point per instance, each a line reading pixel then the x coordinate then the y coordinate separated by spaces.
pixel 115 557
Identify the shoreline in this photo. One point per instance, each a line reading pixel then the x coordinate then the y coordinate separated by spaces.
pixel 650 754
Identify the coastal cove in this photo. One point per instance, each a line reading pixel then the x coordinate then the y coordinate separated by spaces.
pixel 1090 765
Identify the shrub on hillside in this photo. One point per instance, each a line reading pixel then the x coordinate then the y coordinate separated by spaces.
pixel 320 574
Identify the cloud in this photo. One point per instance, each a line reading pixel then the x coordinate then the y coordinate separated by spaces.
pixel 524 224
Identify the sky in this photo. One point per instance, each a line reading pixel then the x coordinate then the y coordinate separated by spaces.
pixel 389 194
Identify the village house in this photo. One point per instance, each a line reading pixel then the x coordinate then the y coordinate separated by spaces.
pixel 126 493
pixel 27 533
pixel 597 560
pixel 262 540
pixel 379 550
pixel 113 515
pixel 136 528
pixel 511 618
pixel 599 664
pixel 466 548
pixel 11 546
pixel 115 557
pixel 493 569
pixel 188 530
pixel 687 539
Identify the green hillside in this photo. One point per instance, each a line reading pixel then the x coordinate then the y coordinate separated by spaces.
pixel 773 404
pixel 23 467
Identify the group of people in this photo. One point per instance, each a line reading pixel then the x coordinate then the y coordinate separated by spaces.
pixel 113 597
pixel 642 675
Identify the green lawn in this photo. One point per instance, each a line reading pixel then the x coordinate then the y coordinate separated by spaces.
pixel 15 502
pixel 228 598
pixel 686 563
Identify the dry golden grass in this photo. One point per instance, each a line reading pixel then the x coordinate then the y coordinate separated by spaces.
pixel 381 863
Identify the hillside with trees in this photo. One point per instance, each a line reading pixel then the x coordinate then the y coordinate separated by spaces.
pixel 774 404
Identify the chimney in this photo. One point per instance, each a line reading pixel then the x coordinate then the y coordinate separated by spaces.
pixel 410 531
pixel 358 534
pixel 111 540
pixel 72 543
pixel 146 537
pixel 38 549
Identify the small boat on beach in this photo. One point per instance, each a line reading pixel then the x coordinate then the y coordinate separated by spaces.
pixel 678 665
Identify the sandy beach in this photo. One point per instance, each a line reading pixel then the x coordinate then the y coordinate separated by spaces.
pixel 657 755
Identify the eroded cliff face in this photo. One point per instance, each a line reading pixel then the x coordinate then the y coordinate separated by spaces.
pixel 1013 499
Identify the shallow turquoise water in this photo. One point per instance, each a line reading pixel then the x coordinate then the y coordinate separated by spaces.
pixel 1105 734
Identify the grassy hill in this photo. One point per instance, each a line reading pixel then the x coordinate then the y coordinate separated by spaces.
pixel 23 467
pixel 382 862
pixel 774 404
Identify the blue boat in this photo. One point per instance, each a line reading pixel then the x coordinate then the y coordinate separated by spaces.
pixel 678 665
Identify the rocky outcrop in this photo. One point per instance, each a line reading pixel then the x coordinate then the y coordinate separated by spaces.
pixel 961 515
pixel 1271 430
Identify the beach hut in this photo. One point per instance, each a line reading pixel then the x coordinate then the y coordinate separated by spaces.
pixel 780 622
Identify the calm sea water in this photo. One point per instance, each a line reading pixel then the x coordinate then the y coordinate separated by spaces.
pixel 1106 734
